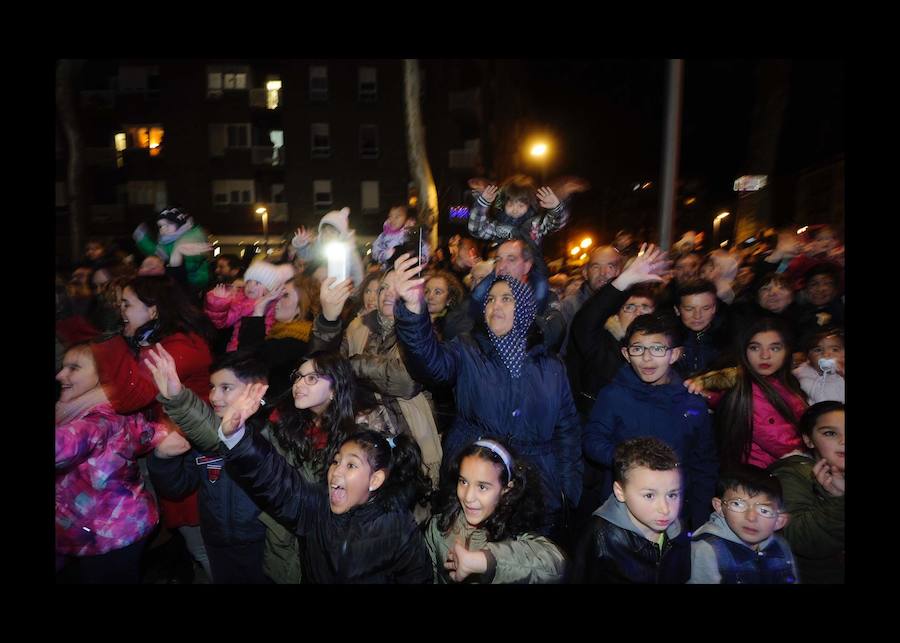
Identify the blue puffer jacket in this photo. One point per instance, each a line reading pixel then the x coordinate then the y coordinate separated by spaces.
pixel 227 515
pixel 629 408
pixel 535 412
pixel 707 349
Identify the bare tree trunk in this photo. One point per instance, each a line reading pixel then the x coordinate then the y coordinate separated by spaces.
pixel 66 109
pixel 419 167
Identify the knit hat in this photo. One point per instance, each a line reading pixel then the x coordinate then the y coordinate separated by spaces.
pixel 269 275
pixel 174 215
pixel 340 219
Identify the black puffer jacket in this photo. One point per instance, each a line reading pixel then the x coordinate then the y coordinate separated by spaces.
pixel 708 349
pixel 593 356
pixel 227 515
pixel 378 542
pixel 611 550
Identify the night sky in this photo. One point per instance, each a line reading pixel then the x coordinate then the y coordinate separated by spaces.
pixel 609 117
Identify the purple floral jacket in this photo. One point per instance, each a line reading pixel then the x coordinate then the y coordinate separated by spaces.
pixel 101 502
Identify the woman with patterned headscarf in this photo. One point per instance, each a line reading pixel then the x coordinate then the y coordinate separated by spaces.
pixel 506 385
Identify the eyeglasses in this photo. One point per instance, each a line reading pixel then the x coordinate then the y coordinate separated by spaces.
pixel 739 505
pixel 310 379
pixel 657 350
pixel 630 308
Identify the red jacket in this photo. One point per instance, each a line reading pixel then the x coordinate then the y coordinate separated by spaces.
pixel 774 435
pixel 129 386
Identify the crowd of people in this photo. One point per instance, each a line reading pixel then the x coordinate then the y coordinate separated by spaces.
pixel 457 414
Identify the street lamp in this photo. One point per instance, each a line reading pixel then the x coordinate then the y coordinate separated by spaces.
pixel 586 242
pixel 265 221
pixel 716 222
pixel 539 152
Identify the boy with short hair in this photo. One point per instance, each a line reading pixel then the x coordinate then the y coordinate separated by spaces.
pixel 233 531
pixel 636 536
pixel 739 545
pixel 647 399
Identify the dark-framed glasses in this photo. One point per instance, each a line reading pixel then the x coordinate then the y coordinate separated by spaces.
pixel 310 379
pixel 644 308
pixel 657 350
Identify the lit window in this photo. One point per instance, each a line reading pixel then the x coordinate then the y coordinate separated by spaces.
pixel 273 92
pixel 145 137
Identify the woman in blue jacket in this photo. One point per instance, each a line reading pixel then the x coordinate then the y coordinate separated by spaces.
pixel 504 386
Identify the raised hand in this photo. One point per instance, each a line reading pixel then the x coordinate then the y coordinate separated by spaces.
pixel 223 291
pixel 649 262
pixel 489 193
pixel 165 375
pixel 246 404
pixel 571 185
pixel 409 288
pixel 172 446
pixel 832 481
pixel 547 198
pixel 333 296
pixel 302 237
pixel 259 308
pixel 461 562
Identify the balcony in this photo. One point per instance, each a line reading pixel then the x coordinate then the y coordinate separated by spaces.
pixel 267 155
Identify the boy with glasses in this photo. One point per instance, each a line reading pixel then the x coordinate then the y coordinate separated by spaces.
pixel 739 545
pixel 647 399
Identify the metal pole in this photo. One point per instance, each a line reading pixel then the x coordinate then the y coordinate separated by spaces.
pixel 265 218
pixel 670 154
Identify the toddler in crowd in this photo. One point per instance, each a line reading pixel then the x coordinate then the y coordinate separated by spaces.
pixel 821 376
pixel 399 220
pixel 334 226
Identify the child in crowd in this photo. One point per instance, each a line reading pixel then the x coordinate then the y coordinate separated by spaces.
pixel 358 529
pixel 104 515
pixel 636 536
pixel 488 514
pixel 334 226
pixel 230 522
pixel 517 211
pixel 814 495
pixel 821 376
pixel 739 545
pixel 176 229
pixel 646 399
pixel 757 419
pixel 226 307
pixel 399 220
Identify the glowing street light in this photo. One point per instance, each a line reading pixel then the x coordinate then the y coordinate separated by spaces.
pixel 717 221
pixel 265 221
pixel 574 251
pixel 539 149
pixel 586 242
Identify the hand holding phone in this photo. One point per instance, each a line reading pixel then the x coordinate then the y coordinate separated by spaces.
pixel 337 254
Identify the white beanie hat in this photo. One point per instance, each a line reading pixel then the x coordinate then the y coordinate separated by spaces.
pixel 268 274
pixel 339 219
pixel 285 272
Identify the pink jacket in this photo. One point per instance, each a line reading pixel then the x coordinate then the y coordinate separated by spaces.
pixel 773 435
pixel 225 312
pixel 101 502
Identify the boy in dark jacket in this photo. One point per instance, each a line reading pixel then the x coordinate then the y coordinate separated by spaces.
pixel 646 399
pixel 230 523
pixel 636 537
pixel 738 545
pixel 706 332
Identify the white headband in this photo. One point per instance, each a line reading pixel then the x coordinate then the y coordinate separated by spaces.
pixel 496 447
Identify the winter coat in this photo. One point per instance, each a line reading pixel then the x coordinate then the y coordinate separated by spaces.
pixel 593 355
pixel 281 556
pixel 719 556
pixel 706 349
pixel 282 355
pixel 384 244
pixel 196 266
pixel 101 502
pixel 378 364
pixel 819 387
pixel 812 318
pixel 226 312
pixel 630 408
pixel 815 530
pixel 611 550
pixel 525 559
pixel 377 542
pixel 773 435
pixel 227 515
pixel 534 412
pixel 129 386
pixel 533 225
